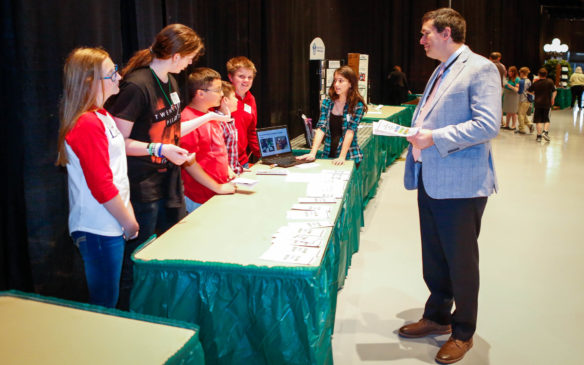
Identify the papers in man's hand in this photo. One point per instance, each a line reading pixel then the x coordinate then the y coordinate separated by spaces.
pixel 385 128
pixel 244 183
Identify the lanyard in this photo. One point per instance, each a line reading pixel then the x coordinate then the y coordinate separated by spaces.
pixel 160 85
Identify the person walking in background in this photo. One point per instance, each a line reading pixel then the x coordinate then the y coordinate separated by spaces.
pixel 545 95
pixel 450 162
pixel 511 98
pixel 577 86
pixel 92 148
pixel 398 86
pixel 525 100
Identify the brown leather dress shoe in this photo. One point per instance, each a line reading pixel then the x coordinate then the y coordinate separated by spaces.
pixel 424 327
pixel 453 350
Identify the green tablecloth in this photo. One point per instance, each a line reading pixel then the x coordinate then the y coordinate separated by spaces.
pixel 250 311
pixel 378 151
pixel 41 330
pixel 563 98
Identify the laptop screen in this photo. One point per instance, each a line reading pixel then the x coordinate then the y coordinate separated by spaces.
pixel 273 141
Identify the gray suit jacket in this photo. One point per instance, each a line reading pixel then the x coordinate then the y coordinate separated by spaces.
pixel 464 116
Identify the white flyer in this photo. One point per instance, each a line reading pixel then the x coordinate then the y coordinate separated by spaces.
pixel 385 128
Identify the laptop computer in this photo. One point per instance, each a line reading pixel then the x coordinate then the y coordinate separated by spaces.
pixel 275 146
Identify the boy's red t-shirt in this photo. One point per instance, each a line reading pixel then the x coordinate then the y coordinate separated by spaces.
pixel 208 144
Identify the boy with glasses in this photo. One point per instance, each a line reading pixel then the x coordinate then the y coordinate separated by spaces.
pixel 209 173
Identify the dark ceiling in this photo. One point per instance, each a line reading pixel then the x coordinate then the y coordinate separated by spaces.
pixel 563 9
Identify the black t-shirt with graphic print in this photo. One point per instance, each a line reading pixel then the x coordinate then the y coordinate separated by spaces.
pixel 147 101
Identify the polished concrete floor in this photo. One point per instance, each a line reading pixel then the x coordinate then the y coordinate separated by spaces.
pixel 531 301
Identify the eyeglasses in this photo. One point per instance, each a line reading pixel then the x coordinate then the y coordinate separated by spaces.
pixel 218 91
pixel 113 76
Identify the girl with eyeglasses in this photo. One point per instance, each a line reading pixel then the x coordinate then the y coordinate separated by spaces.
pixel 93 150
pixel 147 112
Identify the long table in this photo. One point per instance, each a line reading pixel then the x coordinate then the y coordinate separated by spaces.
pixel 40 330
pixel 378 151
pixel 207 270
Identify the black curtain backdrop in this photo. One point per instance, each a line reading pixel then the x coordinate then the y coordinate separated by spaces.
pixel 36 253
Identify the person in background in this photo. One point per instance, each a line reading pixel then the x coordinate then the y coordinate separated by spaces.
pixel 398 86
pixel 209 174
pixel 577 86
pixel 495 57
pixel 340 115
pixel 450 163
pixel 241 72
pixel 511 98
pixel 228 106
pixel 147 112
pixel 545 95
pixel 525 100
pixel 92 148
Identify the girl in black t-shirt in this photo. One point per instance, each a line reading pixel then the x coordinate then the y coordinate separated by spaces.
pixel 147 112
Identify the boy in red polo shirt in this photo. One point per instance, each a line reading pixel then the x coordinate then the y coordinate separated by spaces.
pixel 241 72
pixel 209 173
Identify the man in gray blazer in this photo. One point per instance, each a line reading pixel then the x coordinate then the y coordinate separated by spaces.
pixel 450 162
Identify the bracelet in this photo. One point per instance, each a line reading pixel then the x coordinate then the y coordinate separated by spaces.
pixel 160 150
pixel 149 148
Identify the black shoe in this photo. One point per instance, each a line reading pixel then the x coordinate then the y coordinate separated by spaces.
pixel 546 136
pixel 538 138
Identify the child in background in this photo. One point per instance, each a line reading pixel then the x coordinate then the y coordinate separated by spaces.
pixel 209 174
pixel 228 106
pixel 241 72
pixel 525 100
pixel 545 95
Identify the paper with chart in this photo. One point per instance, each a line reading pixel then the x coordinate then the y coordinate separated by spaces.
pixel 385 128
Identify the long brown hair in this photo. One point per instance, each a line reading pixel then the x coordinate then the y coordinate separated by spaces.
pixel 512 71
pixel 82 76
pixel 174 38
pixel 353 95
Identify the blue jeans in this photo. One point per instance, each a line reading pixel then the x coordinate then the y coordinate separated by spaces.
pixel 102 258
pixel 191 205
pixel 153 218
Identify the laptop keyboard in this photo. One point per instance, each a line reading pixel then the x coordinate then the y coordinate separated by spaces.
pixel 282 161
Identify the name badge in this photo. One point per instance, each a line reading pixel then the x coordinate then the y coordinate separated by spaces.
pixel 247 108
pixel 174 97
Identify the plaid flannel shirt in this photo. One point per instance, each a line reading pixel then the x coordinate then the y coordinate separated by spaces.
pixel 351 123
pixel 230 136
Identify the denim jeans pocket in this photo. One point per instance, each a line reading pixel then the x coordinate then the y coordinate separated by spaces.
pixel 78 238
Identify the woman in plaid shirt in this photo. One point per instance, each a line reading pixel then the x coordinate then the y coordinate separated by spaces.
pixel 340 115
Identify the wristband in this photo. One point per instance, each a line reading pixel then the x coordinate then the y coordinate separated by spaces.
pixel 160 150
pixel 149 149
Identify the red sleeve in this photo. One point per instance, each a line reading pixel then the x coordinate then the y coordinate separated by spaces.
pixel 252 137
pixel 190 142
pixel 89 142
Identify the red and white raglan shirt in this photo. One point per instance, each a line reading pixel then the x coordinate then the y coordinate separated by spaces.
pixel 246 120
pixel 98 171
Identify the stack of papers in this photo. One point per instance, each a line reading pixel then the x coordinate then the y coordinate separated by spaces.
pixel 385 128
pixel 244 183
pixel 292 254
pixel 299 243
pixel 272 172
pixel 309 200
